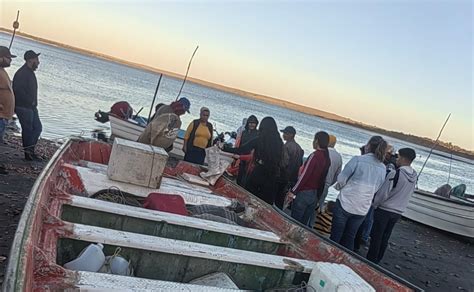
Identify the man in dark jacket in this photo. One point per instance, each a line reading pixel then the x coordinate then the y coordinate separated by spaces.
pixel 25 87
pixel 390 202
pixel 289 176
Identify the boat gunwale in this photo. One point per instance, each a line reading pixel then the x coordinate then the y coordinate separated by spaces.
pixel 19 247
pixel 432 195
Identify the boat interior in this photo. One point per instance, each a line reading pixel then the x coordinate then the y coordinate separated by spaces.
pixel 74 204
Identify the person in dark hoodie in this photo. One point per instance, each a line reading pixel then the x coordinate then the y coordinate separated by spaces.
pixel 249 133
pixel 390 202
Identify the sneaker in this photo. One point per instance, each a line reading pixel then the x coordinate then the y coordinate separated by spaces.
pixel 28 156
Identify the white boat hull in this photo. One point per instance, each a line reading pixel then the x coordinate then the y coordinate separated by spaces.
pixel 450 215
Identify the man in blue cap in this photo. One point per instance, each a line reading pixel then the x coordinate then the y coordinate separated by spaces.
pixel 164 127
pixel 25 87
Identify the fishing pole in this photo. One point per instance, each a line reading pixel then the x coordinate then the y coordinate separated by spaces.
pixel 434 145
pixel 187 71
pixel 154 97
pixel 16 25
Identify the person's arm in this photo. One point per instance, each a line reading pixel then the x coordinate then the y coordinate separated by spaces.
pixel 306 174
pixel 20 86
pixel 346 173
pixel 186 136
pixel 243 149
pixel 383 193
pixel 337 172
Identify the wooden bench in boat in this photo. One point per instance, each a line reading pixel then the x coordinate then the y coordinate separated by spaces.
pixel 106 282
pixel 95 180
pixel 150 222
pixel 181 261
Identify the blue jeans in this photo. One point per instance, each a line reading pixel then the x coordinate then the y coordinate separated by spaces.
pixel 344 226
pixel 3 127
pixel 303 207
pixel 31 127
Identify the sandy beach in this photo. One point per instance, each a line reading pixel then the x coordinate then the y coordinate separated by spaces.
pixel 429 258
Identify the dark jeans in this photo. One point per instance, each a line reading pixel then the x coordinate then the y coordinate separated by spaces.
pixel 195 155
pixel 304 206
pixel 344 226
pixel 31 127
pixel 363 233
pixel 384 221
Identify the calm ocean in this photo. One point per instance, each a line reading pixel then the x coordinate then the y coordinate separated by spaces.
pixel 72 87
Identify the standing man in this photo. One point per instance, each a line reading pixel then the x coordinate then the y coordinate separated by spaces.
pixel 390 202
pixel 7 99
pixel 295 157
pixel 25 87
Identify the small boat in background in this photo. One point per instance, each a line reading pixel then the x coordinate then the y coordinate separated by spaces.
pixel 449 214
pixel 65 215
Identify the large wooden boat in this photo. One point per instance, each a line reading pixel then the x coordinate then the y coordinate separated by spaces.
pixel 166 250
pixel 449 214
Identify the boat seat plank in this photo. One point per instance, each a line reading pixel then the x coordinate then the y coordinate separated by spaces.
pixel 165 181
pixel 95 181
pixel 142 213
pixel 185 248
pixel 89 281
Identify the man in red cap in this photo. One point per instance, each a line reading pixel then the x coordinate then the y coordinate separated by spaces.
pixel 163 129
pixel 25 87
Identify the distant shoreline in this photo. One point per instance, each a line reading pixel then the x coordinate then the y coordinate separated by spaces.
pixel 448 148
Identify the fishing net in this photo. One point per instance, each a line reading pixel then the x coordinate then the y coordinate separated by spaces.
pixel 115 195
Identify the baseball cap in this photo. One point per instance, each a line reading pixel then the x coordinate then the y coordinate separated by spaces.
pixel 186 103
pixel 289 130
pixel 5 52
pixel 30 55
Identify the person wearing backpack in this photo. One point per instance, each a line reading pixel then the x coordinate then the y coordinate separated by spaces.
pixel 390 202
pixel 198 137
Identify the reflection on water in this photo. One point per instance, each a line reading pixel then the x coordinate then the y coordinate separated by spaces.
pixel 73 86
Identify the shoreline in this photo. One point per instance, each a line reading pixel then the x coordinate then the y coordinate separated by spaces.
pixel 445 148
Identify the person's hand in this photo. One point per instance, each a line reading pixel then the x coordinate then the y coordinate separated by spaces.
pixel 236 156
pixel 290 196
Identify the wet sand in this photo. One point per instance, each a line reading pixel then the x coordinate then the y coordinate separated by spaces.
pixel 429 258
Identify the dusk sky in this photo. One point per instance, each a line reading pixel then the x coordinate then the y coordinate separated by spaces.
pixel 399 65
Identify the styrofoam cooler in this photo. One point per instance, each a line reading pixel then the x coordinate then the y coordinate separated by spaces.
pixel 137 163
pixel 330 277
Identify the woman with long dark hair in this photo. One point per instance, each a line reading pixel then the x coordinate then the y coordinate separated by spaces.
pixel 265 162
pixel 310 185
pixel 358 182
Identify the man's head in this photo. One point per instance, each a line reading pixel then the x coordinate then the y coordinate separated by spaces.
pixel 181 106
pixel 32 60
pixel 332 141
pixel 405 157
pixel 321 140
pixel 5 57
pixel 288 133
pixel 204 114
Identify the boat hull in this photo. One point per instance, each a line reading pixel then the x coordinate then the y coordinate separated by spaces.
pixel 37 252
pixel 450 215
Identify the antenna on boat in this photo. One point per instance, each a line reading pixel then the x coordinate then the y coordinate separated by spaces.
pixel 154 98
pixel 16 25
pixel 434 145
pixel 187 71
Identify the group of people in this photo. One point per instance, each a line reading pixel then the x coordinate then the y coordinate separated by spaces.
pixel 20 96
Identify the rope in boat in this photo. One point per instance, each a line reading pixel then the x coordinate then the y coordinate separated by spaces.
pixel 115 195
pixel 303 287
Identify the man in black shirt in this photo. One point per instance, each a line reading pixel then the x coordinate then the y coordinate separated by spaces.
pixel 25 88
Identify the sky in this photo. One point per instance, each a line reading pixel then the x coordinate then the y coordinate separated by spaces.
pixel 399 65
